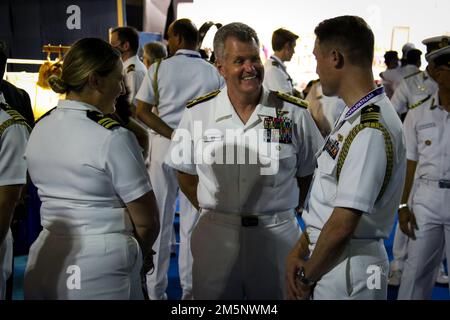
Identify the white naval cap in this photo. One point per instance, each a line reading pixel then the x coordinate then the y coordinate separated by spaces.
pixel 435 43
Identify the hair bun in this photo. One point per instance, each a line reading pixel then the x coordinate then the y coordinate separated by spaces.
pixel 57 84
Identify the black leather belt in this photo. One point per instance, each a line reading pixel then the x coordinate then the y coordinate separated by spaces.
pixel 249 221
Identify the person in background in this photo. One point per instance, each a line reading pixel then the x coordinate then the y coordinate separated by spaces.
pixel 98 212
pixel 16 121
pixel 14 132
pixel 15 97
pixel 411 93
pixel 324 110
pixel 424 213
pixel 168 86
pixel 391 76
pixel 154 51
pixel 126 40
pixel 276 77
pixel 413 90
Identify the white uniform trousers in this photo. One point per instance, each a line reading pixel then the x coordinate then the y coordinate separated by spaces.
pixel 431 207
pixel 360 274
pixel 165 187
pixel 232 261
pixel 188 219
pixel 74 267
pixel 6 257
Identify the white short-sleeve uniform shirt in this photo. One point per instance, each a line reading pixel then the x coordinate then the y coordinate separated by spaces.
pixel 276 77
pixel 232 183
pixel 134 71
pixel 13 171
pixel 362 174
pixel 180 78
pixel 85 173
pixel 427 136
pixel 13 168
pixel 413 91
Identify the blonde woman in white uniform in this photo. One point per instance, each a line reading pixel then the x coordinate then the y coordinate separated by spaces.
pixel 98 210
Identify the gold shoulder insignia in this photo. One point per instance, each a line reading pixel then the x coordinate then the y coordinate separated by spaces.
pixel 412 74
pixel 420 102
pixel 130 68
pixel 204 98
pixel 292 99
pixel 104 121
pixel 370 113
pixel 275 63
pixel 15 115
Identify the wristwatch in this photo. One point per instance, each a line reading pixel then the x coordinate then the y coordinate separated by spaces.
pixel 301 276
pixel 402 205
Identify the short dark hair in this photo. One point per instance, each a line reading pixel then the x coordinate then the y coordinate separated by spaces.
pixel 390 55
pixel 352 35
pixel 129 34
pixel 413 56
pixel 187 30
pixel 282 36
pixel 238 30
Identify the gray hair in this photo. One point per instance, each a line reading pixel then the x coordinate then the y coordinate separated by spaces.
pixel 238 30
pixel 155 50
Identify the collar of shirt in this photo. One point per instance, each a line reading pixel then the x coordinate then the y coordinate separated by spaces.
pixel 377 94
pixel 129 61
pixel 435 103
pixel 225 110
pixel 76 105
pixel 188 53
pixel 276 59
pixel 355 109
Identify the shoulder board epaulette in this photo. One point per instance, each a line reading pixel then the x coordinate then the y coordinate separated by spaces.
pixel 102 120
pixel 16 117
pixel 420 102
pixel 289 98
pixel 275 63
pixel 131 67
pixel 204 98
pixel 412 74
pixel 45 114
pixel 370 113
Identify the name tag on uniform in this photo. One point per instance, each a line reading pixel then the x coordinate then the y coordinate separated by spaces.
pixel 332 147
pixel 278 129
pixel 426 125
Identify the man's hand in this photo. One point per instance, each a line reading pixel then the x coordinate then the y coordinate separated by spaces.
pixel 147 263
pixel 293 264
pixel 407 221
